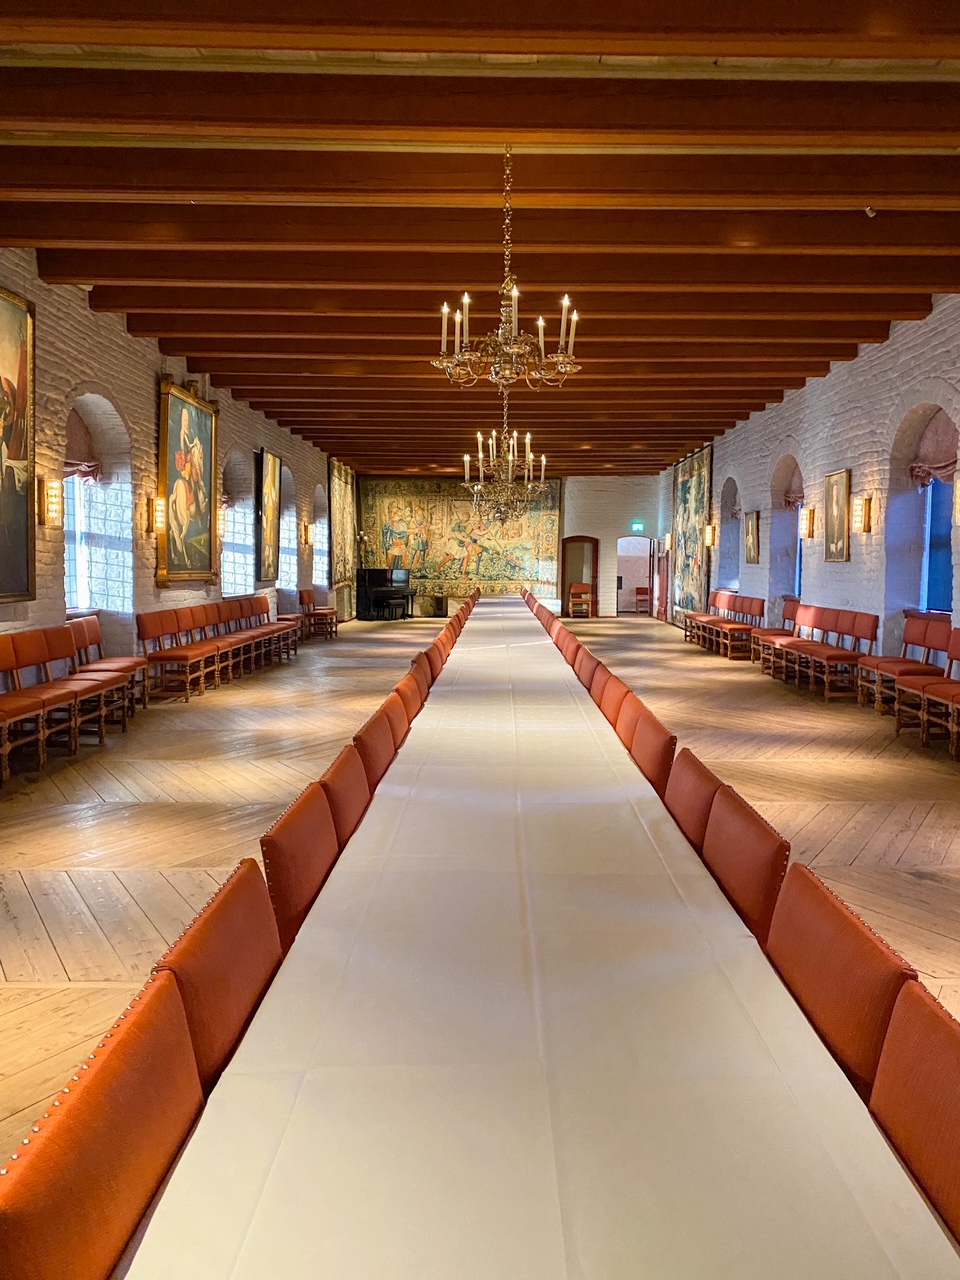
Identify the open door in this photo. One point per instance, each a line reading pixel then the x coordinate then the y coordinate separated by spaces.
pixel 579 560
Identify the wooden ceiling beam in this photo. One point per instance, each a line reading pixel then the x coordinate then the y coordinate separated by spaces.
pixel 599 371
pixel 663 305
pixel 214 107
pixel 688 28
pixel 148 175
pixel 440 276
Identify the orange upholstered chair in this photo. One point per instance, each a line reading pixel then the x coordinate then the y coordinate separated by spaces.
pixel 599 682
pixel 412 694
pixel 627 717
pixel 348 792
pixel 299 852
pixel 747 857
pixel 585 666
pixel 555 629
pixel 420 664
pixel 612 698
pixel 223 964
pixel 652 749
pixel 689 796
pixel 916 1096
pixel 843 976
pixel 375 744
pixel 397 718
pixel 436 658
pixel 444 642
pixel 72 1196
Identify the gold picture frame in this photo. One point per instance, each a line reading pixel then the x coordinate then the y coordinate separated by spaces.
pixel 18 484
pixel 186 487
pixel 836 517
pixel 268 466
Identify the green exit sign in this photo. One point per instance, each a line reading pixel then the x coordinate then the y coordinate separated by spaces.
pixel 636 526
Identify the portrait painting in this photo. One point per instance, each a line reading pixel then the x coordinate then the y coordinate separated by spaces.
pixel 836 517
pixel 187 484
pixel 17 486
pixel 751 533
pixel 268 516
pixel 430 527
pixel 691 505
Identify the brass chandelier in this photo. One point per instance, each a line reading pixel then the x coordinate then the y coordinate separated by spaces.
pixel 505 487
pixel 507 354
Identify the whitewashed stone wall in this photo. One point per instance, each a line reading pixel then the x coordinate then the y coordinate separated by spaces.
pixel 604 507
pixel 80 353
pixel 851 418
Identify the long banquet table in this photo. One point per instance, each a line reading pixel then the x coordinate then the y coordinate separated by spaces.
pixel 523 1036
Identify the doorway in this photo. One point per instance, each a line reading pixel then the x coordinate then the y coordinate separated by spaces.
pixel 635 572
pixel 579 560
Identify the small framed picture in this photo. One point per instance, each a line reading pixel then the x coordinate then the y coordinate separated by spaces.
pixel 268 516
pixel 836 517
pixel 751 534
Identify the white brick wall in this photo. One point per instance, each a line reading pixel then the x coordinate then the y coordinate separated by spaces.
pixel 604 507
pixel 850 418
pixel 80 352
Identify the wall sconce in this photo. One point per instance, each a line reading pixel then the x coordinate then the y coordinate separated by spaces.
pixel 710 535
pixel 307 533
pixel 156 515
pixel 807 522
pixel 668 542
pixel 50 503
pixel 861 520
pixel 221 521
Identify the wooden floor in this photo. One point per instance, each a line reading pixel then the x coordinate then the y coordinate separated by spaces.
pixel 877 816
pixel 105 858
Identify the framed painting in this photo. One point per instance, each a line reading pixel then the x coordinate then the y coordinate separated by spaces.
pixel 18 496
pixel 836 517
pixel 268 516
pixel 187 486
pixel 691 505
pixel 751 534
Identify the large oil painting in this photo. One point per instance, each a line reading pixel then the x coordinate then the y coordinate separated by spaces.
pixel 836 517
pixel 187 484
pixel 431 528
pixel 268 516
pixel 17 487
pixel 343 525
pixel 691 506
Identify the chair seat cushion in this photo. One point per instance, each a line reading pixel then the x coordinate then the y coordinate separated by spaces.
pixel 835 655
pixel 770 631
pixel 18 706
pixel 56 693
pixel 943 691
pixel 917 684
pixel 898 666
pixel 130 665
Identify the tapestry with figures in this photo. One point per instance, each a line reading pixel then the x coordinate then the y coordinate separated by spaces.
pixel 343 525
pixel 691 507
pixel 430 528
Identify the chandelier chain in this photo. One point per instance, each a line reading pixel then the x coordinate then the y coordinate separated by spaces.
pixel 507 216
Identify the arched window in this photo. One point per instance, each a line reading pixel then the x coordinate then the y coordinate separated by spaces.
pixel 237 567
pixel 98 514
pixel 321 539
pixel 288 576
pixel 728 559
pixel 938 557
pixel 786 548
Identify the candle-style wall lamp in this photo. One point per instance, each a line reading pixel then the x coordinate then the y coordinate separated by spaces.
pixel 307 534
pixel 861 519
pixel 808 522
pixel 50 503
pixel 156 515
pixel 710 536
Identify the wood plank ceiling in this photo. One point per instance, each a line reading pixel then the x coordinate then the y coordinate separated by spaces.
pixel 735 203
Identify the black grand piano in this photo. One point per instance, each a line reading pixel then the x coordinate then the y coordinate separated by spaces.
pixel 383 594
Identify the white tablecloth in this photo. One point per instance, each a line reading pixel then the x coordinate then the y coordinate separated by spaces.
pixel 522 1036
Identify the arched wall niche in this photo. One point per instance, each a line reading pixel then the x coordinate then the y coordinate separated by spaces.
pixel 905 524
pixel 99 518
pixel 786 484
pixel 288 578
pixel 237 553
pixel 320 571
pixel 728 550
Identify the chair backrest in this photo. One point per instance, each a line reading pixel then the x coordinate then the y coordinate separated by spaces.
pixel 916 1096
pixel 652 749
pixel 411 693
pixel 689 796
pixel 223 964
pixel 374 741
pixel 397 718
pixel 348 792
pixel 599 682
pixel 421 664
pixel 436 658
pixel 73 1197
pixel 611 700
pixel 299 852
pixel 843 976
pixel 554 628
pixel 580 590
pixel 938 636
pixel 629 714
pixel 747 857
pixel 307 600
pixel 915 635
pixel 790 606
pixel 585 666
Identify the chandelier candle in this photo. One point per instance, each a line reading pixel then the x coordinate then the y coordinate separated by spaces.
pixel 445 313
pixel 573 332
pixel 466 468
pixel 456 334
pixel 466 319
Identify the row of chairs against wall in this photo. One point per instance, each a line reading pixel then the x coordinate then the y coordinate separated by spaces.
pixel 75 1191
pixel 896 1043
pixel 833 650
